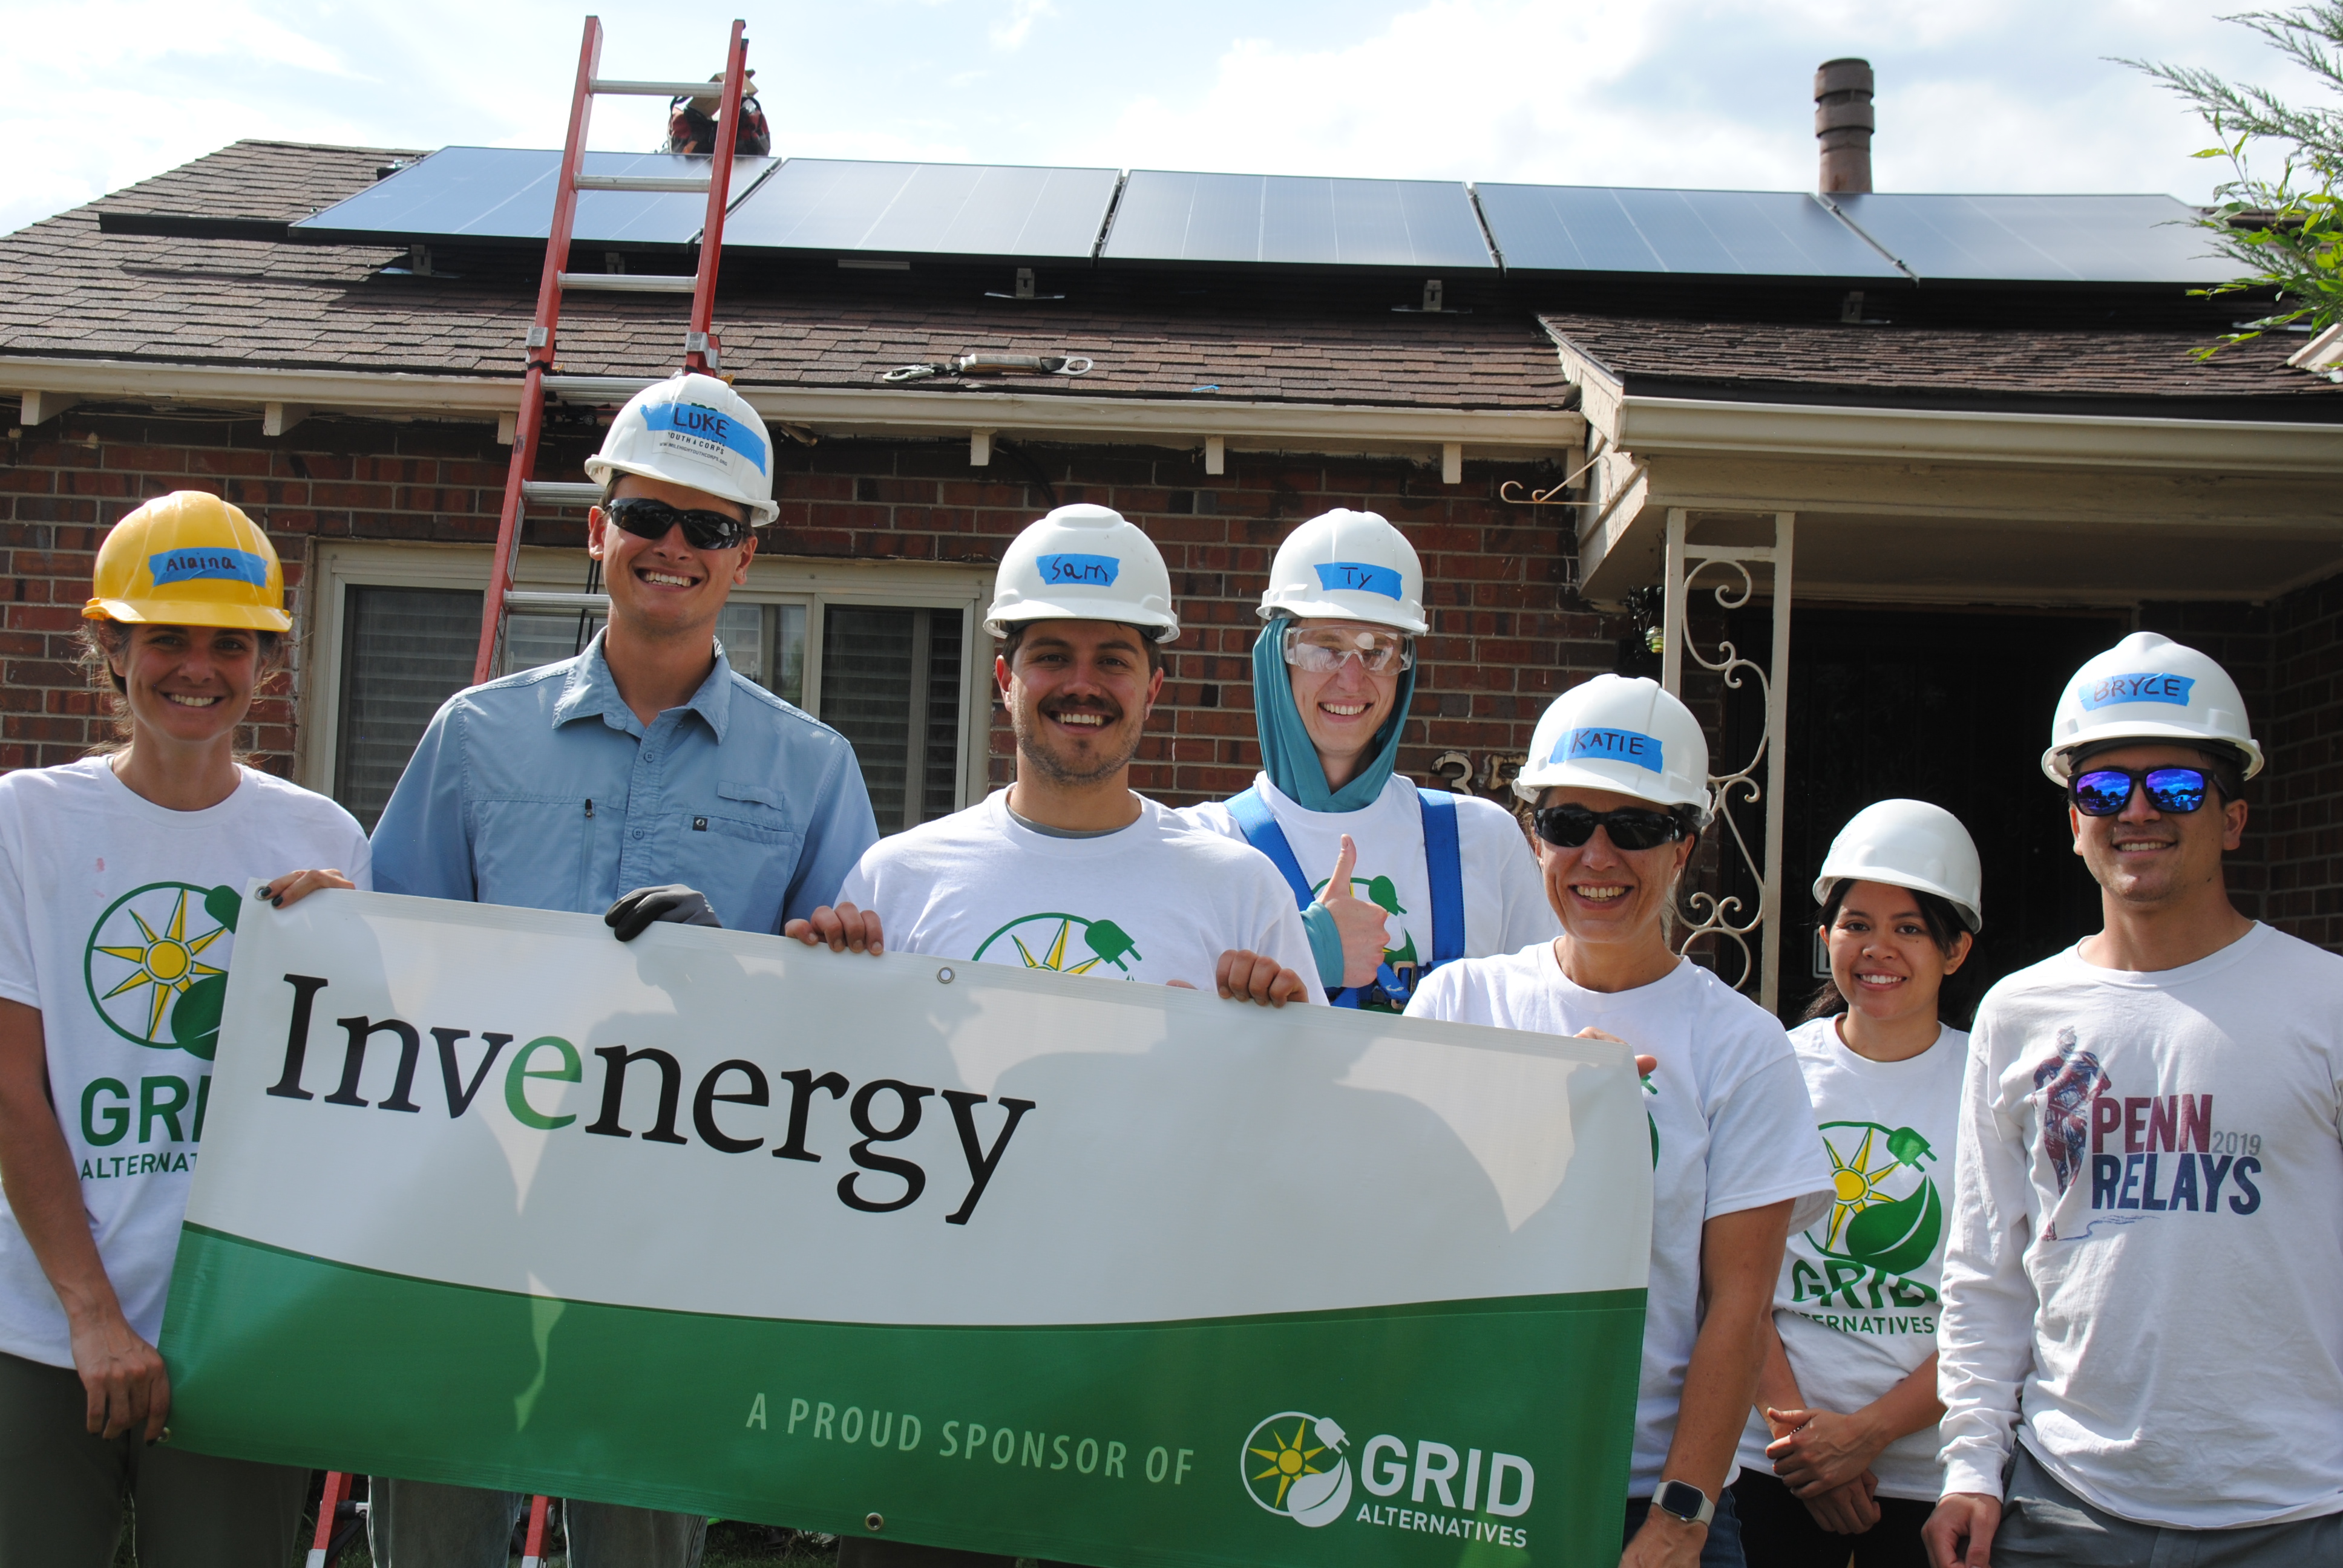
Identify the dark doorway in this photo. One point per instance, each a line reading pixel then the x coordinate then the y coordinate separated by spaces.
pixel 1947 707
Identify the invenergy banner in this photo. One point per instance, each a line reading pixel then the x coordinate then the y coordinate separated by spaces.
pixel 950 1253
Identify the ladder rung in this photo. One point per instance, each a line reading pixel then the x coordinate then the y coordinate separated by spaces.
pixel 561 492
pixel 656 89
pixel 643 183
pixel 631 282
pixel 514 599
pixel 587 388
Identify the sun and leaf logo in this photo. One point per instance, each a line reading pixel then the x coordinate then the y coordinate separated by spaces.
pixel 1047 942
pixel 1293 1465
pixel 157 965
pixel 1383 893
pixel 1885 1212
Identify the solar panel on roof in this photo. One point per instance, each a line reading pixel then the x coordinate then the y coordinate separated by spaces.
pixel 459 194
pixel 1297 220
pixel 2040 239
pixel 834 204
pixel 1605 228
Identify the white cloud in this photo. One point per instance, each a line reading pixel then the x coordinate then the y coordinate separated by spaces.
pixel 1010 31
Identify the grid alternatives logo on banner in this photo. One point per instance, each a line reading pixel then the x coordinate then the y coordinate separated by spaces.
pixel 967 1255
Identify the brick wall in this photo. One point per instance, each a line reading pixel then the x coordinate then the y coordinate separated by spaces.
pixel 2305 788
pixel 1507 631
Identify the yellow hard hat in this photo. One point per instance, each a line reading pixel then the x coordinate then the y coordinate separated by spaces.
pixel 189 558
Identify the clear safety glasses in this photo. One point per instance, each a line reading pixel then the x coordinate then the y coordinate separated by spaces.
pixel 702 530
pixel 1319 648
pixel 2104 791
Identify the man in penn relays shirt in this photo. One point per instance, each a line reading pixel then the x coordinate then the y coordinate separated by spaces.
pixel 2141 1350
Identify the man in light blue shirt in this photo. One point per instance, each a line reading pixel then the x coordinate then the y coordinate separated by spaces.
pixel 645 760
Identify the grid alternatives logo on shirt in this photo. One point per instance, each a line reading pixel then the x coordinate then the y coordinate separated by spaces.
pixel 156 965
pixel 1292 1466
pixel 1047 942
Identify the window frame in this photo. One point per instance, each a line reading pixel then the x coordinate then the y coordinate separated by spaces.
pixel 814 582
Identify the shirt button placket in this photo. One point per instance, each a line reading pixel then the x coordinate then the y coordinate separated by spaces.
pixel 643 807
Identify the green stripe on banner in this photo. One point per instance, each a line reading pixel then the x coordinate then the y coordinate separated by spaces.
pixel 1458 1434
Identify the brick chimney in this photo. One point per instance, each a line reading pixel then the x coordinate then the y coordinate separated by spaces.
pixel 1843 123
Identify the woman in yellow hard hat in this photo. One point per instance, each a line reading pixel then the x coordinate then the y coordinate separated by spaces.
pixel 121 878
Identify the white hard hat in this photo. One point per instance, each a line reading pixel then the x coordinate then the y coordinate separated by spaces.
pixel 1909 844
pixel 1619 733
pixel 1083 563
pixel 2148 688
pixel 694 430
pixel 1347 566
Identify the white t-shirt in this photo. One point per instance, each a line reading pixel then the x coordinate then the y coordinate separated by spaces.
pixel 2147 1247
pixel 1732 1129
pixel 116 921
pixel 1856 1302
pixel 1158 901
pixel 1504 898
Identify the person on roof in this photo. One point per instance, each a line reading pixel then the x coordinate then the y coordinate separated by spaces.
pixel 606 782
pixel 121 877
pixel 1408 878
pixel 1618 773
pixel 1840 1453
pixel 2140 1354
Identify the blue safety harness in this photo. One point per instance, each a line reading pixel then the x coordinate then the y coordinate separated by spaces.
pixel 1441 861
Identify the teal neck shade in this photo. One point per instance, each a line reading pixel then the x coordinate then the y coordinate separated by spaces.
pixel 1286 754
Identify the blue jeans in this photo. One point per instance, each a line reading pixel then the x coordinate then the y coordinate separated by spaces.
pixel 428 1525
pixel 1723 1547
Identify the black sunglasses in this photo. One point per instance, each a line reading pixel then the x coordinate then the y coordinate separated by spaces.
pixel 1630 827
pixel 650 519
pixel 2104 791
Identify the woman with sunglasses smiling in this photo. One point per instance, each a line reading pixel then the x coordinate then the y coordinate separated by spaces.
pixel 1393 880
pixel 1618 775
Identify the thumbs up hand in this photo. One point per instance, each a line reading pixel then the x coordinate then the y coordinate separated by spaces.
pixel 1361 922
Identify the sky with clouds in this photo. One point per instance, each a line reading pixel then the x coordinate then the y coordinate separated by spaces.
pixel 1979 95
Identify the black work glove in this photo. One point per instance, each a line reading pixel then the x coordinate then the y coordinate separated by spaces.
pixel 674 903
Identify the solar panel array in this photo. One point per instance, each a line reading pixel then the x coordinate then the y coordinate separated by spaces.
pixel 493 194
pixel 848 208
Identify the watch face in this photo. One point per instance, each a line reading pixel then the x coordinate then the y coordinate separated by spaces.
pixel 1683 1499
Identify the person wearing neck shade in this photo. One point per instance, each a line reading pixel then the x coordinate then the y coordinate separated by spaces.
pixel 1392 880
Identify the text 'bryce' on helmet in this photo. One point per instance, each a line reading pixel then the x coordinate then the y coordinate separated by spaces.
pixel 692 431
pixel 189 558
pixel 1083 563
pixel 1347 566
pixel 1620 733
pixel 2149 687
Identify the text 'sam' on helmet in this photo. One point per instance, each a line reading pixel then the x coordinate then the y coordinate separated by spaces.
pixel 1083 563
pixel 1909 844
pixel 2149 687
pixel 692 430
pixel 1347 566
pixel 1620 733
pixel 189 558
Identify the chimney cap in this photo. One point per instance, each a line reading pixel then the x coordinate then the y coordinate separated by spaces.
pixel 1848 75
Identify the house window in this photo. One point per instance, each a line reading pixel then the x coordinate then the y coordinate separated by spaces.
pixel 881 654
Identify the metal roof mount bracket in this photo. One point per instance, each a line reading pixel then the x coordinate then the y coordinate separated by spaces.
pixel 1432 294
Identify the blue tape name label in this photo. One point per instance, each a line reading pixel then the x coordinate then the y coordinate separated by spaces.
pixel 1088 572
pixel 708 425
pixel 186 566
pixel 2120 688
pixel 1629 745
pixel 1359 577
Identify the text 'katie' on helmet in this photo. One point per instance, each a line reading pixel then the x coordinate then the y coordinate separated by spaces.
pixel 1619 733
pixel 1347 566
pixel 692 430
pixel 189 558
pixel 1083 563
pixel 2148 688
pixel 1909 844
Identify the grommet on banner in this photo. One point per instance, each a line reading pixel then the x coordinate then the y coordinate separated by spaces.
pixel 872 1521
pixel 944 976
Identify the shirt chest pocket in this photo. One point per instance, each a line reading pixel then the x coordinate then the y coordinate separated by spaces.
pixel 534 854
pixel 742 853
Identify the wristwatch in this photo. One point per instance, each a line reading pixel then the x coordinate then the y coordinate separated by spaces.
pixel 1685 1501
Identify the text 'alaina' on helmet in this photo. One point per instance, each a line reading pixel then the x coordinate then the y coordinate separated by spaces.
pixel 1909 844
pixel 1083 563
pixel 189 558
pixel 693 430
pixel 2149 687
pixel 1620 733
pixel 1347 566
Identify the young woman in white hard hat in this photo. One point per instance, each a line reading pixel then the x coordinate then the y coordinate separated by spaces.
pixel 1618 774
pixel 1392 880
pixel 122 876
pixel 1840 1453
